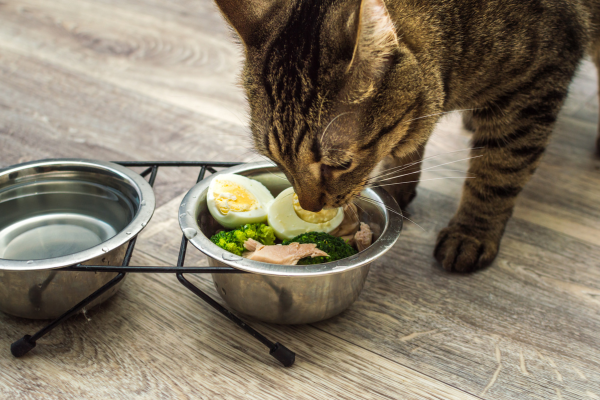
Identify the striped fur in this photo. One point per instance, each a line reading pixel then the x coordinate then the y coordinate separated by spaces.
pixel 338 87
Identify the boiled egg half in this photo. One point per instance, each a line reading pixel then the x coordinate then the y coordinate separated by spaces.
pixel 234 200
pixel 289 220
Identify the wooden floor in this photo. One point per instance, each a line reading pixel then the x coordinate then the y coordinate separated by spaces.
pixel 150 79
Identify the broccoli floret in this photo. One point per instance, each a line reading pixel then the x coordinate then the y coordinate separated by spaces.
pixel 336 247
pixel 233 241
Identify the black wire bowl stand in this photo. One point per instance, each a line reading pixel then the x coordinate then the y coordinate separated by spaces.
pixel 277 350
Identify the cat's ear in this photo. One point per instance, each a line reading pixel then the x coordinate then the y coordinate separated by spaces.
pixel 249 18
pixel 375 40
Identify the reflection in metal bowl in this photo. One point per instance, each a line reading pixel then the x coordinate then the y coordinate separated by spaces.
pixel 289 294
pixel 57 213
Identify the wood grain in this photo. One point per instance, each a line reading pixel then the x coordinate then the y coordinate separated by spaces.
pixel 157 340
pixel 148 79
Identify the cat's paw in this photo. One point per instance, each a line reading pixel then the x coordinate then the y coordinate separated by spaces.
pixel 460 251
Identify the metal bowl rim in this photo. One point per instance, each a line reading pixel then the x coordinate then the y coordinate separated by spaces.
pixel 139 221
pixel 387 239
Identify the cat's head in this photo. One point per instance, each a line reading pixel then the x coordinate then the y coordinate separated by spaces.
pixel 332 91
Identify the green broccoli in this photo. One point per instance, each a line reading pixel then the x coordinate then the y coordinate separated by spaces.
pixel 336 247
pixel 233 241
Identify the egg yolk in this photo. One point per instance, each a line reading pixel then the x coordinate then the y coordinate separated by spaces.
pixel 313 217
pixel 230 196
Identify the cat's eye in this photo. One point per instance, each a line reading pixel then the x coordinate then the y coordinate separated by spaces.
pixel 343 166
pixel 337 167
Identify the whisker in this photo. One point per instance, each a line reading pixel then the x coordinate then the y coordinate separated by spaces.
pixel 401 167
pixel 356 204
pixel 367 199
pixel 390 209
pixel 423 180
pixel 398 169
pixel 417 172
pixel 448 170
pixel 354 211
pixel 428 168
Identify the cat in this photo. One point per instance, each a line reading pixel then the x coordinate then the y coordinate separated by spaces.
pixel 339 87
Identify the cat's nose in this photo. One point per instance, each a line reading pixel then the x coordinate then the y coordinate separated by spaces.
pixel 310 201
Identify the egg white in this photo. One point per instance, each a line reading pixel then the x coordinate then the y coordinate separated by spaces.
pixel 287 224
pixel 235 219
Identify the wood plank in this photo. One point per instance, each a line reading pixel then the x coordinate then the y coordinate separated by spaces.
pixel 48 111
pixel 180 63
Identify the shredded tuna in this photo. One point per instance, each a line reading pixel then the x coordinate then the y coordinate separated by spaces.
pixel 252 245
pixel 280 254
pixel 363 237
pixel 349 224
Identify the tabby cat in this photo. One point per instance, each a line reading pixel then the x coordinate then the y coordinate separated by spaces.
pixel 338 87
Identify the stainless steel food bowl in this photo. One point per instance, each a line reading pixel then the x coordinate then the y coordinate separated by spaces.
pixel 58 213
pixel 289 294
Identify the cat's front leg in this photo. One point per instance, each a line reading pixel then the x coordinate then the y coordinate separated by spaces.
pixel 508 147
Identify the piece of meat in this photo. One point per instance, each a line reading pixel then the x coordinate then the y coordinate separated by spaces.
pixel 280 254
pixel 251 244
pixel 363 237
pixel 349 225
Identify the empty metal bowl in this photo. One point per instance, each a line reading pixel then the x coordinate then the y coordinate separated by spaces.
pixel 58 213
pixel 289 294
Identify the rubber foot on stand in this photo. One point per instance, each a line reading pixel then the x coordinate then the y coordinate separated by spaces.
pixel 22 346
pixel 283 354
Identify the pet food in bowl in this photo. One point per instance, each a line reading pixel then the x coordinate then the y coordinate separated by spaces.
pixel 288 294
